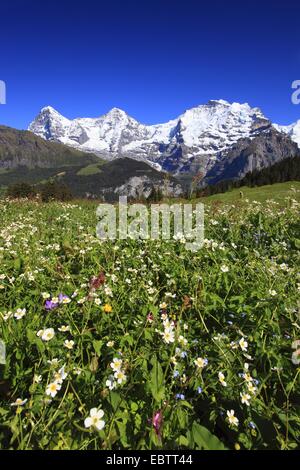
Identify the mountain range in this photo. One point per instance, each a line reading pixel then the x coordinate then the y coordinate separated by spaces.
pixel 208 139
pixel 116 155
pixel 26 157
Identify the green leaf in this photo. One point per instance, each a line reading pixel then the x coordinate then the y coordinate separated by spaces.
pixel 156 381
pixel 204 439
pixel 94 364
pixel 97 346
pixel 114 400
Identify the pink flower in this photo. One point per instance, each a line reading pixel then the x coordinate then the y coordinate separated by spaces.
pixel 157 422
pixel 150 318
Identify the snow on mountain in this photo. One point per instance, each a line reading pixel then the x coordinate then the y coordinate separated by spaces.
pixel 293 131
pixel 193 141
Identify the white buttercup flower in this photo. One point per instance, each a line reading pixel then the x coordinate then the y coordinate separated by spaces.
pixel 95 419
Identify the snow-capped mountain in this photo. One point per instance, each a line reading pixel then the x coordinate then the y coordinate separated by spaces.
pixel 193 142
pixel 293 131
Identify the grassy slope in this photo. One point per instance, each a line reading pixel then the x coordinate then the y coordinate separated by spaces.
pixel 23 148
pixel 277 192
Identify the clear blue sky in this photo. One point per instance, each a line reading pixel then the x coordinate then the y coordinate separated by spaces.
pixel 152 58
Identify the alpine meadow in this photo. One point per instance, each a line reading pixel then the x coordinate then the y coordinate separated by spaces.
pixel 144 345
pixel 149 233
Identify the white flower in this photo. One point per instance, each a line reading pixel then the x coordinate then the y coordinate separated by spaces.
pixel 120 376
pixel 183 341
pixel 110 344
pixel 97 301
pixel 20 313
pixel 110 383
pixel 231 418
pixel 19 402
pixel 163 305
pixel 69 344
pixel 37 379
pixel 224 268
pixel 168 336
pixel 245 397
pixel 53 388
pixel 54 362
pixel 95 419
pixel 46 295
pixel 272 292
pixel 222 379
pixel 64 328
pixel 108 291
pixel 47 334
pixel 116 364
pixel 7 316
pixel 251 388
pixel 243 344
pixel 61 375
pixel 200 362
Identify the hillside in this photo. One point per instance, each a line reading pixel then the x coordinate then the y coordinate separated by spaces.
pixel 278 192
pixel 23 148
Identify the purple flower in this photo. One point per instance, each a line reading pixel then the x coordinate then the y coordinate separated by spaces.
pixel 49 305
pixel 175 374
pixel 62 297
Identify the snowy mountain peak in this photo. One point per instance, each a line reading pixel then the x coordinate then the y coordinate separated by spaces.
pixel 194 140
pixel 216 102
pixel 116 112
pixel 293 131
pixel 49 110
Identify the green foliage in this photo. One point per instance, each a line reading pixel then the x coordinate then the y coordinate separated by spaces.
pixel 21 190
pixel 282 171
pixel 54 191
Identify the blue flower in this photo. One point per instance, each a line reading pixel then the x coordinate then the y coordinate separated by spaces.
pixel 176 374
pixel 183 354
pixel 180 396
pixel 199 390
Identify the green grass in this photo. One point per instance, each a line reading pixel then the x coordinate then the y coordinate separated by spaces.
pixel 278 192
pixel 198 333
pixel 92 169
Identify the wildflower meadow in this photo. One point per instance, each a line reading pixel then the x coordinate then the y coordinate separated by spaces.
pixel 142 344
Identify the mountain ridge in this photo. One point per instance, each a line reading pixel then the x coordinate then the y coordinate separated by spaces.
pixel 193 142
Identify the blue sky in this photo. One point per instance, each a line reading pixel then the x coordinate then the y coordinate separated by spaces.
pixel 152 58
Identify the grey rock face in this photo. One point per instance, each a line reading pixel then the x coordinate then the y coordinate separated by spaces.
pixel 247 155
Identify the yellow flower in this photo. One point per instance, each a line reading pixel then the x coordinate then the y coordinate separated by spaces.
pixel 107 308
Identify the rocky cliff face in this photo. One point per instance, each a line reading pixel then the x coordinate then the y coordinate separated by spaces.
pixel 247 155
